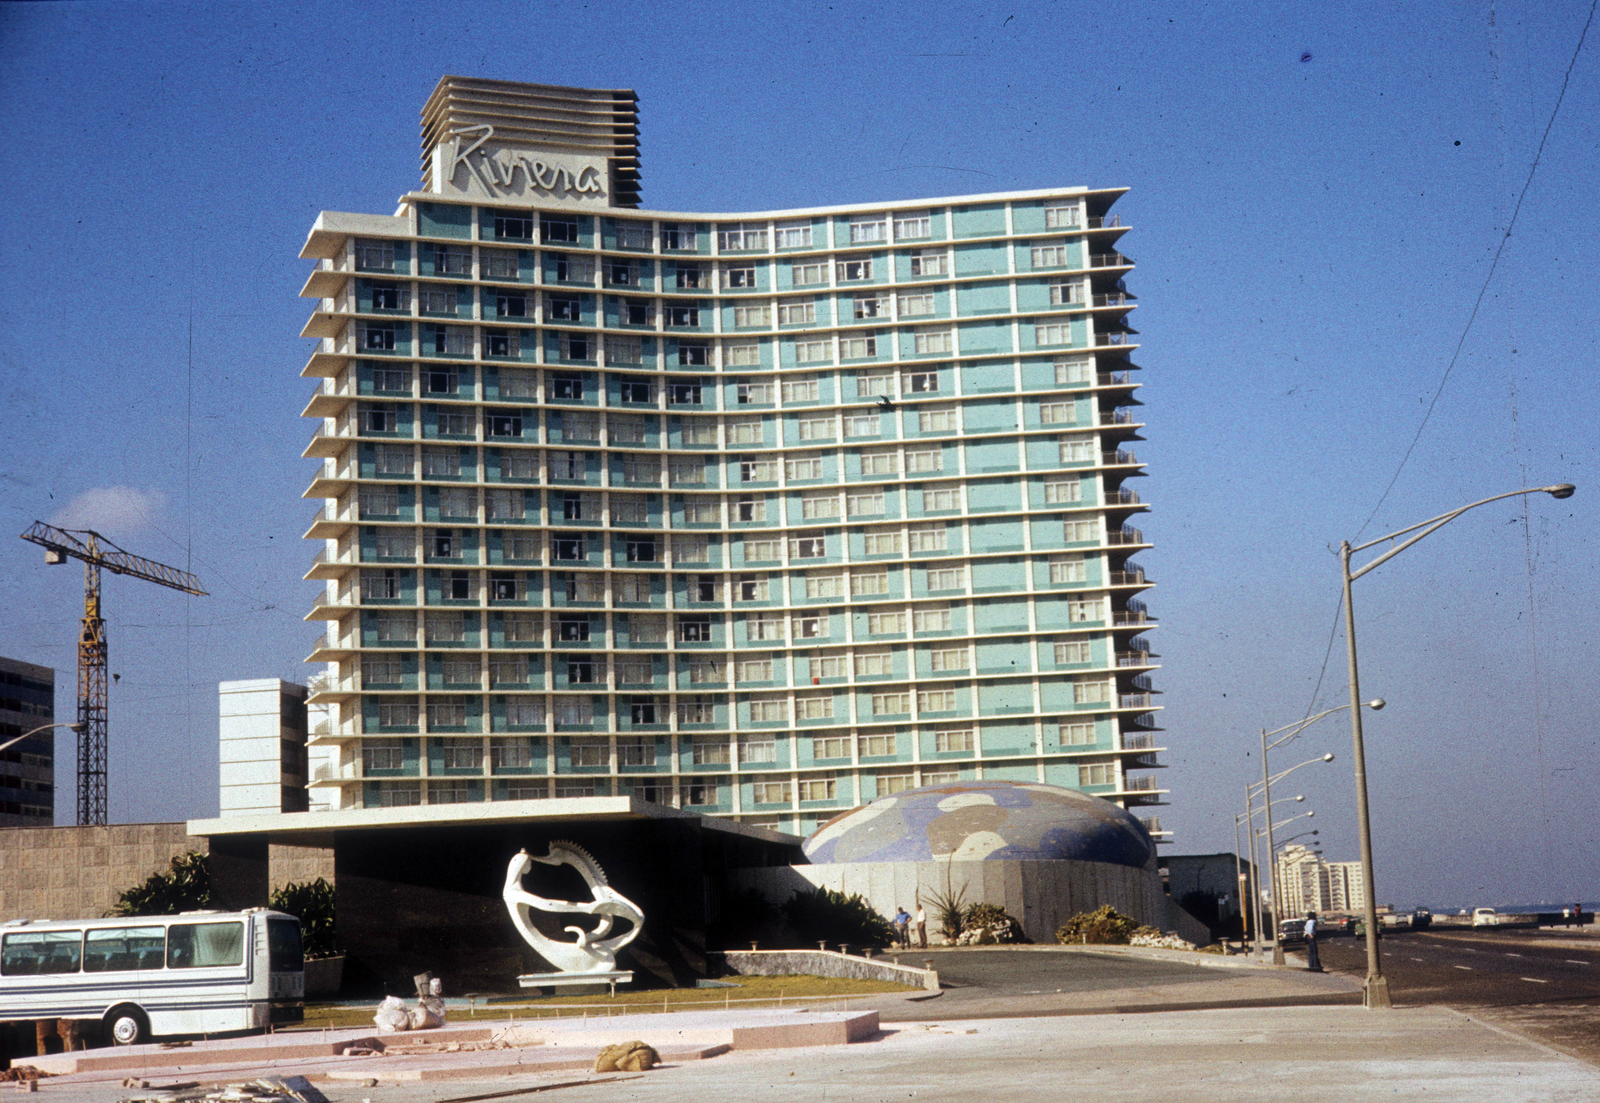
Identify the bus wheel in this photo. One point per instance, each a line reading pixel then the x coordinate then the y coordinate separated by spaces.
pixel 127 1025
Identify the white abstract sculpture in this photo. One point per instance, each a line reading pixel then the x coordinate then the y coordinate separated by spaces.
pixel 593 954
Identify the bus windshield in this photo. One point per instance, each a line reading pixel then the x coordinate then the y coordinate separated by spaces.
pixel 283 946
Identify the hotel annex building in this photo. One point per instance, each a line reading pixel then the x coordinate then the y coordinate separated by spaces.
pixel 761 515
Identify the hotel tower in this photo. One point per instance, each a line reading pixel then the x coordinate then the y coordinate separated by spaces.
pixel 761 514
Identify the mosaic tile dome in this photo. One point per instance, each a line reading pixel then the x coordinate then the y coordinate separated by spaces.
pixel 985 820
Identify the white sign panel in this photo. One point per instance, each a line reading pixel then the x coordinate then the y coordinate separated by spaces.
pixel 470 162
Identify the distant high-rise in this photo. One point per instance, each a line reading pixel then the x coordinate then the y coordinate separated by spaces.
pixel 27 768
pixel 762 515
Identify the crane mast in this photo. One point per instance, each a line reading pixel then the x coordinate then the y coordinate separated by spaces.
pixel 97 552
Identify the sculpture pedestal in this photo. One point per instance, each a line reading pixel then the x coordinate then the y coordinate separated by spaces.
pixel 576 982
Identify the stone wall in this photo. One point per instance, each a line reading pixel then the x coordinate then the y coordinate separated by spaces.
pixel 78 872
pixel 826 963
pixel 298 864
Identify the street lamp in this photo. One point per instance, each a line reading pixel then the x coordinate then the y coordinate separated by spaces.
pixel 1249 817
pixel 76 726
pixel 1293 731
pixel 1375 991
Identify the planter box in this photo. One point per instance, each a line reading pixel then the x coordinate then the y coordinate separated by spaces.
pixel 323 976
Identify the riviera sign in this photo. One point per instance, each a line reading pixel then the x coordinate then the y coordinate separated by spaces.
pixel 500 172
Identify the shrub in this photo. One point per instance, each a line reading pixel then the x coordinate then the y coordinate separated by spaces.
pixel 983 924
pixel 312 902
pixel 825 915
pixel 949 911
pixel 1103 927
pixel 185 886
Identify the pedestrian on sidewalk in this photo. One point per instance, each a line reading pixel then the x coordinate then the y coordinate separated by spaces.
pixel 902 920
pixel 922 927
pixel 1313 962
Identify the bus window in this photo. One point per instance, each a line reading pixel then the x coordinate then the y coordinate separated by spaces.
pixel 283 946
pixel 196 945
pixel 34 952
pixel 114 949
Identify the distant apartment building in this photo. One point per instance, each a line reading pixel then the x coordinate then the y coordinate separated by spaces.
pixel 1308 883
pixel 27 767
pixel 760 514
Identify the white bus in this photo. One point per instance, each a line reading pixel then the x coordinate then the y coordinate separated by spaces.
pixel 195 973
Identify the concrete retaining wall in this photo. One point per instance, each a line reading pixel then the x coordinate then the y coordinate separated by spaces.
pixel 1042 895
pixel 78 872
pixel 826 963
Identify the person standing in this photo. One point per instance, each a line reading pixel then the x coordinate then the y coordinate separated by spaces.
pixel 922 927
pixel 1313 962
pixel 901 922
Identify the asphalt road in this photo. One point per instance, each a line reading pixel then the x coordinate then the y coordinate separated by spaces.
pixel 1544 983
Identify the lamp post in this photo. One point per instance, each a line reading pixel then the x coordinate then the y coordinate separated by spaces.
pixel 1249 818
pixel 1375 990
pixel 1293 730
pixel 76 726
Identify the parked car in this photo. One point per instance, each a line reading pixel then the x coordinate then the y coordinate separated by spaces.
pixel 1421 918
pixel 1359 929
pixel 1292 933
pixel 1485 917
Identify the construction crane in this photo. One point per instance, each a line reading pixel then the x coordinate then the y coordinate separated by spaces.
pixel 97 552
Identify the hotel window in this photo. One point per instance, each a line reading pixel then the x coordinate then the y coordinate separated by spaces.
pixel 629 509
pixel 692 276
pixel 758 471
pixel 627 430
pixel 770 792
pixel 1053 334
pixel 930 342
pixel 744 431
pixel 814 506
pixel 523 628
pixel 394 545
pixel 824 586
pixel 569 545
pixel 705 588
pixel 705 672
pixel 886 624
pixel 863 425
pixel 794 235
pixel 394 714
pixel 518 384
pixel 882 543
pixel 830 746
pixel 694 629
pixel 437 300
pixel 499 342
pixel 517 226
pixel 702 513
pixel 1077 449
pixel 696 431
pixel 565 464
pixel 574 789
pixel 693 355
pixel 640 468
pixel 929 262
pixel 745 355
pixel 752 316
pixel 813 708
pixel 1076 735
pixel 865 502
pixel 372 337
pixel 879 746
pixel 816 428
pixel 395 627
pixel 924 460
pixel 802 388
pixel 574 709
pixel 796 313
pixel 801 468
pixel 1066 293
pixel 1062 491
pixel 458 586
pixel 880 463
pixel 871 383
pixel 513 752
pixel 812 352
pixel 504 423
pixel 764 628
pixel 498 264
pixel 642 629
pixel 948 659
pixel 377 417
pixel 636 390
pixel 631 587
pixel 639 752
pixel 386 754
pixel 1049 256
pixel 763 712
pixel 1074 651
pixel 808 547
pixel 753 670
pixel 931 620
pixel 911 226
pixel 936 700
pixel 638 313
pixel 375 256
pixel 873 664
pixel 683 315
pixel 821 788
pixel 854 268
pixel 391 380
pixel 869 584
pixel 562 308
pixel 871 306
pixel 585 752
pixel 573 269
pixel 622 274
pixel 701 710
pixel 576 426
pixel 810 628
pixel 580 507
pixel 952 740
pixel 458 502
pixel 889 784
pixel 704 752
pixel 1098 773
pixel 737 276
pixel 940 419
pixel 751 589
pixel 446 628
pixel 1068 568
pixel 891 704
pixel 452 423
pixel 1091 693
pixel 1082 612
pixel 1057 413
pixel 751 509
pixel 452 262
pixel 511 304
pixel 919 382
pixel 684 392
pixel 690 549
pixel 912 306
pixel 461 754
pixel 741 235
pixel 378 585
pixel 508 672
pixel 556 228
pixel 387 296
pixel 868 228
pixel 572 346
pixel 380 672
pixel 1061 216
pixel 634 236
pixel 621 350
pixel 936 501
pixel 642 549
pixel 564 385
pixel 806 274
pixel 447 713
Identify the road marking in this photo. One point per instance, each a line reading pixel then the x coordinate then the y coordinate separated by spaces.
pixel 1509 954
pixel 1468 968
pixel 1535 980
pixel 1416 959
pixel 1575 961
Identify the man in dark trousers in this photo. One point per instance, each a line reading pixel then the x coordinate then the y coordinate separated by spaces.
pixel 1313 963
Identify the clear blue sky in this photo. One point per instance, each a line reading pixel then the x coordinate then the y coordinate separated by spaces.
pixel 1317 194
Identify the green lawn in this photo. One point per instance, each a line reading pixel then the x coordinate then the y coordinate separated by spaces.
pixel 753 992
